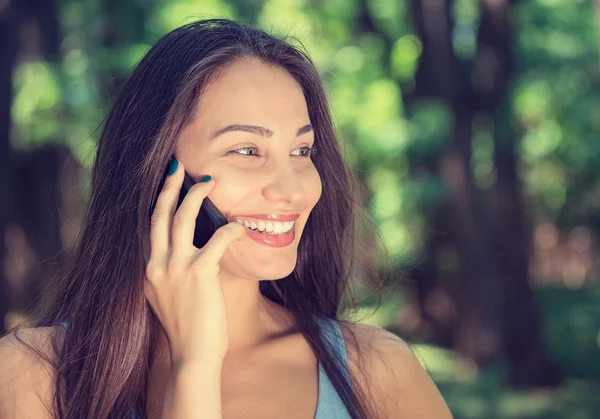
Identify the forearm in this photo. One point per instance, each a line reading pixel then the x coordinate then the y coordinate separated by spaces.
pixel 193 392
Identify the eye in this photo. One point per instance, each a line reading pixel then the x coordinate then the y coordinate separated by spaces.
pixel 305 151
pixel 246 151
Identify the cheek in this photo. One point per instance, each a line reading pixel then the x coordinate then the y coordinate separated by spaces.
pixel 312 187
pixel 231 188
pixel 235 186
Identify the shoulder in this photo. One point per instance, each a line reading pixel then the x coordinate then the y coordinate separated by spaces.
pixel 386 367
pixel 27 379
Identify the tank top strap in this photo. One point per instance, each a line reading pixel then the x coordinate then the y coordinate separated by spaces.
pixel 331 332
pixel 330 405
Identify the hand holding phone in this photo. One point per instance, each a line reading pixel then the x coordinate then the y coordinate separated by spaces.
pixel 183 285
pixel 209 217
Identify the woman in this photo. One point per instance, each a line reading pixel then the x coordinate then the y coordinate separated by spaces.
pixel 157 327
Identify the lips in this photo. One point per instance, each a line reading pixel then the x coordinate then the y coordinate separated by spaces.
pixel 273 230
pixel 272 240
pixel 268 217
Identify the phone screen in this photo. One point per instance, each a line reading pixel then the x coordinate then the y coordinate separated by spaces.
pixel 209 218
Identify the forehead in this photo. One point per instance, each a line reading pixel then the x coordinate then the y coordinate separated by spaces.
pixel 251 91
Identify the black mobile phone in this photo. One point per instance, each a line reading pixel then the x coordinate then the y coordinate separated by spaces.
pixel 209 218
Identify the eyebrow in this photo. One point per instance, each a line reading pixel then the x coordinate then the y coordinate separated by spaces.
pixel 258 130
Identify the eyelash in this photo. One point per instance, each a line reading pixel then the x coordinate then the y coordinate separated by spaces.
pixel 310 151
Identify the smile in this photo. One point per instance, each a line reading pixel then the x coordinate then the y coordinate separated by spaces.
pixel 268 227
pixel 272 230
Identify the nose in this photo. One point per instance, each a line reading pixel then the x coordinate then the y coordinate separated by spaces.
pixel 285 186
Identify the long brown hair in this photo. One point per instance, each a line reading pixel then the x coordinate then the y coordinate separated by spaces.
pixel 103 362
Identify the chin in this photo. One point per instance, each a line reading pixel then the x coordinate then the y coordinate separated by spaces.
pixel 264 268
pixel 275 277
pixel 268 266
pixel 275 270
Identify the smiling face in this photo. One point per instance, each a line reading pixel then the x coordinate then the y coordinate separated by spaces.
pixel 252 134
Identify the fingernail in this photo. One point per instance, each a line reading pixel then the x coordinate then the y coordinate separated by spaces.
pixel 173 167
pixel 205 179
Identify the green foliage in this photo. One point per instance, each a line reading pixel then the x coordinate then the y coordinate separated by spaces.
pixel 555 102
pixel 572 322
pixel 38 99
pixel 405 57
pixel 172 14
pixel 554 109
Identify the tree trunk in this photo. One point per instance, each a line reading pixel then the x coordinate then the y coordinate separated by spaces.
pixel 48 202
pixel 31 186
pixel 9 29
pixel 497 317
pixel 478 293
pixel 478 333
pixel 528 361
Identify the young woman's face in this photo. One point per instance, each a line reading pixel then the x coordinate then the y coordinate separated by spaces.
pixel 264 177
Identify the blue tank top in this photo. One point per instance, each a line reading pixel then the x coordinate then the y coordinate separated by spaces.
pixel 329 403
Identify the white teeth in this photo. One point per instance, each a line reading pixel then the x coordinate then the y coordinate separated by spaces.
pixel 261 225
pixel 269 226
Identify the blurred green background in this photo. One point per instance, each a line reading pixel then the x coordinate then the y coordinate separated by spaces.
pixel 473 125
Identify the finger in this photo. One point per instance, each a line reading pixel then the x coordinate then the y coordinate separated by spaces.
pixel 150 294
pixel 184 220
pixel 161 219
pixel 220 241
